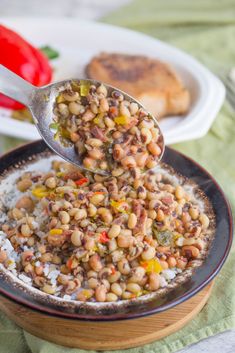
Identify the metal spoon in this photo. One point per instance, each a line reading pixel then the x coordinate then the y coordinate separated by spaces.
pixel 41 100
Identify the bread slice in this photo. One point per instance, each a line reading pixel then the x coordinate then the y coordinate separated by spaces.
pixel 152 82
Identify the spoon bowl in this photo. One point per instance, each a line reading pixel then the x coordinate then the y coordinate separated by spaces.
pixel 41 101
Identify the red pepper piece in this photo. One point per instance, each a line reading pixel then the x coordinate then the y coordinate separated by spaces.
pixel 23 59
pixel 104 237
pixel 81 181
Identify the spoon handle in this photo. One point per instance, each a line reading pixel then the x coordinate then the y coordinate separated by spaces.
pixel 15 87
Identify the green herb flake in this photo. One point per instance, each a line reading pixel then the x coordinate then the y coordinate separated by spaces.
pixel 49 52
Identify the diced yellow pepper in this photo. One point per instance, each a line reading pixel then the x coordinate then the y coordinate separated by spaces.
pixel 151 266
pixel 40 192
pixel 87 294
pixel 56 231
pixel 84 88
pixel 122 120
pixel 60 99
pixel 118 205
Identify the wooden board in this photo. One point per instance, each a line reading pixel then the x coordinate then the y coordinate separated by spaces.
pixel 106 335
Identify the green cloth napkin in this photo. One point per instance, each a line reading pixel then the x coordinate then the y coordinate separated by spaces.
pixel 205 29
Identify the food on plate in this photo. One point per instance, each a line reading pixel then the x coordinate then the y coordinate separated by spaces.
pixel 25 60
pixel 154 83
pixel 107 130
pixel 86 237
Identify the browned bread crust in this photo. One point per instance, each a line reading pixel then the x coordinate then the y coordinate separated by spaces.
pixel 152 82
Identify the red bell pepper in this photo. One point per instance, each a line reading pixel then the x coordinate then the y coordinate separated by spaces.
pixel 26 61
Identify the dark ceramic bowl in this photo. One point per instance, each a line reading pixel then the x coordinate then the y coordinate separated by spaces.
pixel 202 276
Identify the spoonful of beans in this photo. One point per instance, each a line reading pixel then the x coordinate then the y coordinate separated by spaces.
pixel 90 124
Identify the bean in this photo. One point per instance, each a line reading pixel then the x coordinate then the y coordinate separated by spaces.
pixel 179 192
pixel 3 256
pixel 102 90
pixel 100 293
pixel 128 162
pixel 105 214
pixel 190 251
pixel 127 295
pixel 171 261
pixel 114 277
pixel 116 289
pixel 25 230
pixel 152 214
pixel 80 214
pixel 48 289
pixel 95 262
pixel 75 108
pixel 26 203
pixel 89 163
pixel 132 221
pixel 133 108
pixel 51 183
pixel 95 153
pixel 97 199
pixel 64 217
pixel 151 163
pixel 94 142
pixel 89 243
pixel 204 220
pixel 112 245
pixel 47 257
pixel 93 283
pixel 154 281
pixel 182 263
pixel 104 105
pixel 70 95
pixel 114 231
pixel 133 288
pixel 63 109
pixel 155 133
pixel 92 210
pixel 163 264
pixel 154 149
pixel 124 241
pixel 141 159
pixel 124 110
pixel 148 254
pixel 146 135
pixel 17 214
pixel 39 270
pixel 24 184
pixel 124 267
pixel 111 297
pixel 109 122
pixel 138 274
pixel 117 172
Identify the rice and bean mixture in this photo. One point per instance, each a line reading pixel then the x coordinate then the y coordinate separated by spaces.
pixel 106 130
pixel 92 238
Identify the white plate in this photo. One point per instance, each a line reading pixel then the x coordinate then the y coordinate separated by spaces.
pixel 78 41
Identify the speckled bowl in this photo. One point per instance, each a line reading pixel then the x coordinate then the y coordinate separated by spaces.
pixel 14 289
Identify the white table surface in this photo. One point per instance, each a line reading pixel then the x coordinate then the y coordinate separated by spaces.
pixel 92 10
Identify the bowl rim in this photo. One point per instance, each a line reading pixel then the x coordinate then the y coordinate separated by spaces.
pixel 108 317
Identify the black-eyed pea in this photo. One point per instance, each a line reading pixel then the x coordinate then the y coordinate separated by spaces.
pixel 97 199
pixel 127 295
pixel 179 192
pixel 114 231
pixel 48 289
pixel 81 214
pixel 26 203
pixel 92 210
pixel 114 277
pixel 155 133
pixel 148 253
pixel 204 220
pixel 89 163
pixel 116 289
pixel 163 264
pixel 17 214
pixel 151 162
pixel 64 217
pixel 125 240
pixel 171 261
pixel 47 257
pixel 133 108
pixel 154 281
pixel 132 221
pixel 117 172
pixel 104 105
pixel 160 215
pixel 3 256
pixel 112 245
pixel 194 213
pixel 141 159
pixel 124 267
pixel 24 184
pixel 102 90
pixel 56 260
pixel 128 162
pixel 109 122
pixel 133 288
pixel 124 110
pixel 111 297
pixel 190 251
pixel 146 135
pixel 39 270
pixel 51 183
pixel 152 214
pixel 181 263
pixel 93 283
pixel 25 230
pixel 137 275
pixel 63 109
pixel 154 149
pixel 105 214
pixel 95 263
pixel 100 293
pixel 70 95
